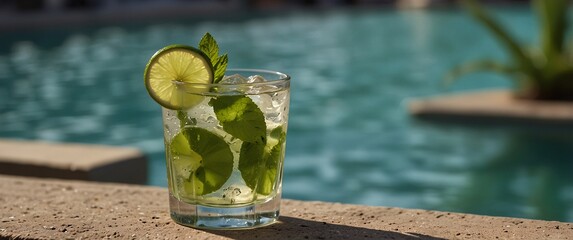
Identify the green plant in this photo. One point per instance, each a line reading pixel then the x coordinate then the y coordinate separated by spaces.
pixel 543 72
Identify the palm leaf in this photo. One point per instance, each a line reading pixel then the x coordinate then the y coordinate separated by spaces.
pixel 477 66
pixel 553 19
pixel 514 49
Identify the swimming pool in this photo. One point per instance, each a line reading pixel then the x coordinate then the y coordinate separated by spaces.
pixel 350 138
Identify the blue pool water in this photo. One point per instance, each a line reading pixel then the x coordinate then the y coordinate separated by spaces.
pixel 350 138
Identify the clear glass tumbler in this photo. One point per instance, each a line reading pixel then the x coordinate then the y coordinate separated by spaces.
pixel 225 150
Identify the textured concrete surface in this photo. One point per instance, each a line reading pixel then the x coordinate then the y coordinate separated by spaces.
pixel 493 106
pixel 72 161
pixel 55 209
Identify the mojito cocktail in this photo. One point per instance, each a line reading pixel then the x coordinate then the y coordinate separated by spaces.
pixel 225 138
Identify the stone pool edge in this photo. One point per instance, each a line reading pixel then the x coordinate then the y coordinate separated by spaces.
pixel 92 162
pixel 491 107
pixel 35 208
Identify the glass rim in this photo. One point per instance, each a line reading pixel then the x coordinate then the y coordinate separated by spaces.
pixel 281 78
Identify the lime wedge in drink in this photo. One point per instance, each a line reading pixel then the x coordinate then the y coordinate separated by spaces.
pixel 203 159
pixel 170 68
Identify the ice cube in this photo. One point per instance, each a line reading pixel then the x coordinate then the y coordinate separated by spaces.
pixel 260 88
pixel 256 79
pixel 272 105
pixel 234 79
pixel 264 101
pixel 231 82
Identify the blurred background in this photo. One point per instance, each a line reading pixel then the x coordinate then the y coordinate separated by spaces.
pixel 71 71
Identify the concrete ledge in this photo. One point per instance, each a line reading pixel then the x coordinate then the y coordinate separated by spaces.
pixel 72 161
pixel 493 107
pixel 54 209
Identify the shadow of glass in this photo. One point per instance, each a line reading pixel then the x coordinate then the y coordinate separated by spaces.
pixel 297 228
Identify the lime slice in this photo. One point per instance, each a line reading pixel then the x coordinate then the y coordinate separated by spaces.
pixel 170 68
pixel 184 160
pixel 203 160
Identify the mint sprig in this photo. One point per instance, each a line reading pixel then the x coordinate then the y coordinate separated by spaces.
pixel 209 46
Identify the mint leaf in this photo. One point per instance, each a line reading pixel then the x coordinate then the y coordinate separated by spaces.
pixel 220 68
pixel 278 133
pixel 259 162
pixel 250 162
pixel 240 117
pixel 268 176
pixel 209 46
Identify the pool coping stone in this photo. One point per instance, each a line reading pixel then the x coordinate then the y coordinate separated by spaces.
pixel 34 208
pixel 91 162
pixel 492 107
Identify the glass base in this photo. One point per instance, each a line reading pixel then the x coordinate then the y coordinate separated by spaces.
pixel 221 218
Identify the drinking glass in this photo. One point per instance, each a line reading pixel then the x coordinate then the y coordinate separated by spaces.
pixel 225 150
